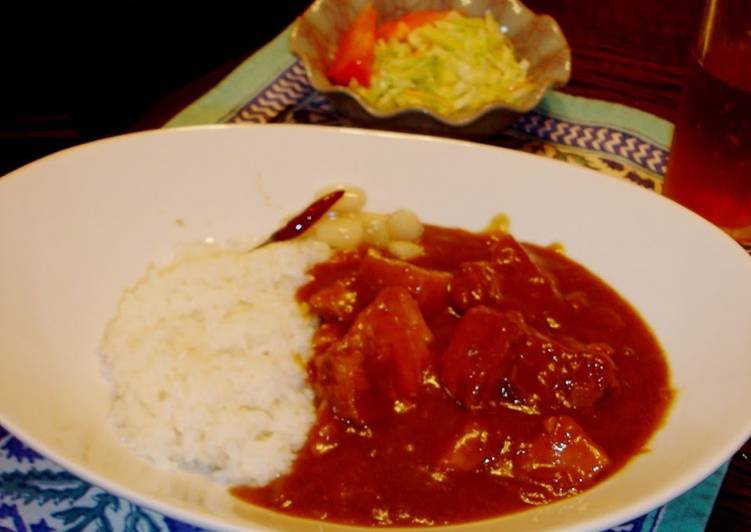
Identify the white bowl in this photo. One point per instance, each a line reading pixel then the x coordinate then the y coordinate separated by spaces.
pixel 80 226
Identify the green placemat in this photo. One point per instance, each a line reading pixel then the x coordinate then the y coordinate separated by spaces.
pixel 271 86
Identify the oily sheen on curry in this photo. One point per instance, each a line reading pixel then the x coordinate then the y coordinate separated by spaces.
pixel 478 378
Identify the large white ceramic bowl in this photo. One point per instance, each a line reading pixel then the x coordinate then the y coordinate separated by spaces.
pixel 78 227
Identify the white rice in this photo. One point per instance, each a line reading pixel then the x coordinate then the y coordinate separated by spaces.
pixel 206 357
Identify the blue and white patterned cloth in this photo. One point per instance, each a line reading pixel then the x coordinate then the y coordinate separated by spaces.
pixel 37 495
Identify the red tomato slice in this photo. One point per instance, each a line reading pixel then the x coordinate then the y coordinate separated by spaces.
pixel 354 54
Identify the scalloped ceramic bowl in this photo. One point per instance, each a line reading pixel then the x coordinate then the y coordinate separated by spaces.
pixel 536 38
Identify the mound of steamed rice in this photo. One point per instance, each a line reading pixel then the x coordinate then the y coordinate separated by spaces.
pixel 207 362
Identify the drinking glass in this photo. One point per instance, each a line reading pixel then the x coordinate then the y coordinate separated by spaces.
pixel 709 170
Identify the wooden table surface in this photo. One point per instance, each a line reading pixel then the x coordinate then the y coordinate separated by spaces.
pixel 632 52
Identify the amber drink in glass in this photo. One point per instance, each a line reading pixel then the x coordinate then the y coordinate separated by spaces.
pixel 710 162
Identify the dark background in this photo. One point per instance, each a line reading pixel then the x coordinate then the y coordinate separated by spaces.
pixel 68 77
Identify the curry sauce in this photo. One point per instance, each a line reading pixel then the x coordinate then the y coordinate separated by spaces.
pixel 481 378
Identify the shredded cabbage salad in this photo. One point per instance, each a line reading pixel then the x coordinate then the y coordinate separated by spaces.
pixel 455 65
